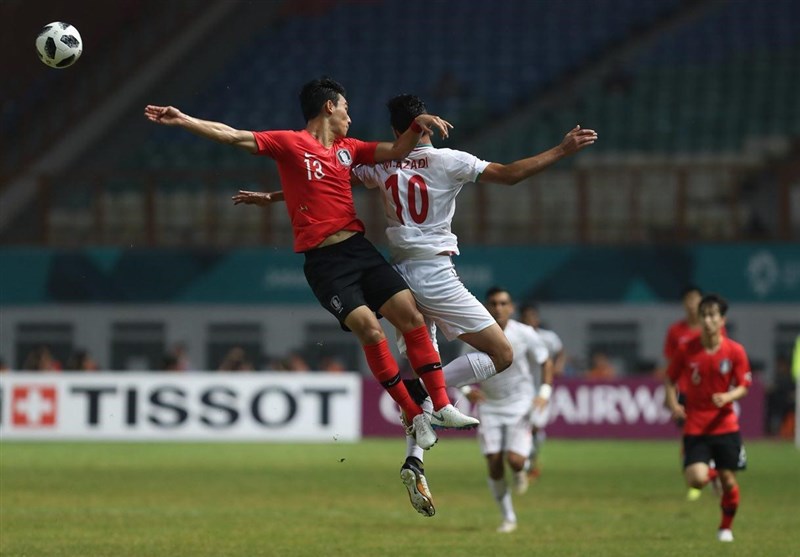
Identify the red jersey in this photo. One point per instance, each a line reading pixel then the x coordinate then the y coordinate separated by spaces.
pixel 701 374
pixel 678 334
pixel 316 182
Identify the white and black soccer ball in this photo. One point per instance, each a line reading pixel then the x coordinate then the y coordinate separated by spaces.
pixel 59 45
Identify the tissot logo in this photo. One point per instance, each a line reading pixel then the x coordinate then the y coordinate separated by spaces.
pixel 33 406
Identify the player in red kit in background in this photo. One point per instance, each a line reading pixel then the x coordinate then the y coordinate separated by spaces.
pixel 715 372
pixel 678 334
pixel 347 274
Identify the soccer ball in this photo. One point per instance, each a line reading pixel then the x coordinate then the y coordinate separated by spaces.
pixel 59 44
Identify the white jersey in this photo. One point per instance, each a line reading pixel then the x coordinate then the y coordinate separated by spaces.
pixel 510 393
pixel 554 346
pixel 420 198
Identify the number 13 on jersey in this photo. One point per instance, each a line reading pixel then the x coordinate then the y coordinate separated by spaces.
pixel 415 193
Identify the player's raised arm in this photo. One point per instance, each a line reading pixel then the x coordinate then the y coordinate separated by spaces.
pixel 257 197
pixel 405 143
pixel 215 131
pixel 513 173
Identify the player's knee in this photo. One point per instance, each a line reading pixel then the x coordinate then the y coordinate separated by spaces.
pixel 367 333
pixel 503 358
pixel 727 479
pixel 372 335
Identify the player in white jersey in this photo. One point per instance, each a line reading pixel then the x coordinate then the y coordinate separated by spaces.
pixel 504 406
pixel 419 195
pixel 540 414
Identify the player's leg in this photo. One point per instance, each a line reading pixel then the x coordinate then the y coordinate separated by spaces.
pixel 730 457
pixel 365 326
pixel 696 456
pixel 339 277
pixel 412 472
pixel 491 432
pixel 402 312
pixel 449 306
pixel 539 419
pixel 517 448
pixel 493 343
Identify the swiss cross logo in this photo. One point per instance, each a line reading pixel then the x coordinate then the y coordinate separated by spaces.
pixel 33 406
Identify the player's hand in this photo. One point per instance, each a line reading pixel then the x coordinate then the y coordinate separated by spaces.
pixel 167 115
pixel 720 399
pixel 540 403
pixel 679 413
pixel 576 139
pixel 476 396
pixel 252 198
pixel 429 121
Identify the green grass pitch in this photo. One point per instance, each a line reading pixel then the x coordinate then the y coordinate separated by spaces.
pixel 595 498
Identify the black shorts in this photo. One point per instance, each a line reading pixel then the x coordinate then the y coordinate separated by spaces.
pixel 726 450
pixel 350 274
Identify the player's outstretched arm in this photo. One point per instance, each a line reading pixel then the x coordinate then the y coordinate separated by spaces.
pixel 405 143
pixel 513 173
pixel 257 197
pixel 215 131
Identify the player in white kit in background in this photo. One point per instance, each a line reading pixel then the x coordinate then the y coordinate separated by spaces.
pixel 505 404
pixel 540 414
pixel 419 195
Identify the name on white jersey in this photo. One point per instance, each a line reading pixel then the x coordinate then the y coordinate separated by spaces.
pixel 407 164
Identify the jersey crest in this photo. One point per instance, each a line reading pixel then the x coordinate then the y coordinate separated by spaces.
pixel 344 157
pixel 725 366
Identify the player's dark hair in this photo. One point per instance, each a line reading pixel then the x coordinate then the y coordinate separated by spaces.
pixel 403 109
pixel 496 290
pixel 316 93
pixel 529 305
pixel 689 288
pixel 714 299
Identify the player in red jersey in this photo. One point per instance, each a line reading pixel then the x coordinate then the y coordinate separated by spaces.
pixel 678 334
pixel 715 372
pixel 349 277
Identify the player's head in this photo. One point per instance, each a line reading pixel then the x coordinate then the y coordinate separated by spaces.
pixel 403 109
pixel 529 314
pixel 500 304
pixel 712 309
pixel 711 301
pixel 320 94
pixel 690 297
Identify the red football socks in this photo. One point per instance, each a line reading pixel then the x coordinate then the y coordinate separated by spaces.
pixel 426 362
pixel 729 505
pixel 385 369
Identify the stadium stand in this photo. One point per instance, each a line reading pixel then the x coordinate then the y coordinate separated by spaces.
pixel 667 83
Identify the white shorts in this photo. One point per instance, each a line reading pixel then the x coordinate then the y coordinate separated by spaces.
pixel 499 434
pixel 442 298
pixel 540 417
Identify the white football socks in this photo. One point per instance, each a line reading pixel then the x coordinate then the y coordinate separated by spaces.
pixel 468 369
pixel 502 495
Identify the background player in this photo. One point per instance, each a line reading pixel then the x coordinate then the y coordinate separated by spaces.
pixel 715 372
pixel 504 407
pixel 540 414
pixel 347 274
pixel 679 333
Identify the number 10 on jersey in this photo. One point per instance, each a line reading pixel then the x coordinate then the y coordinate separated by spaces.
pixel 415 190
